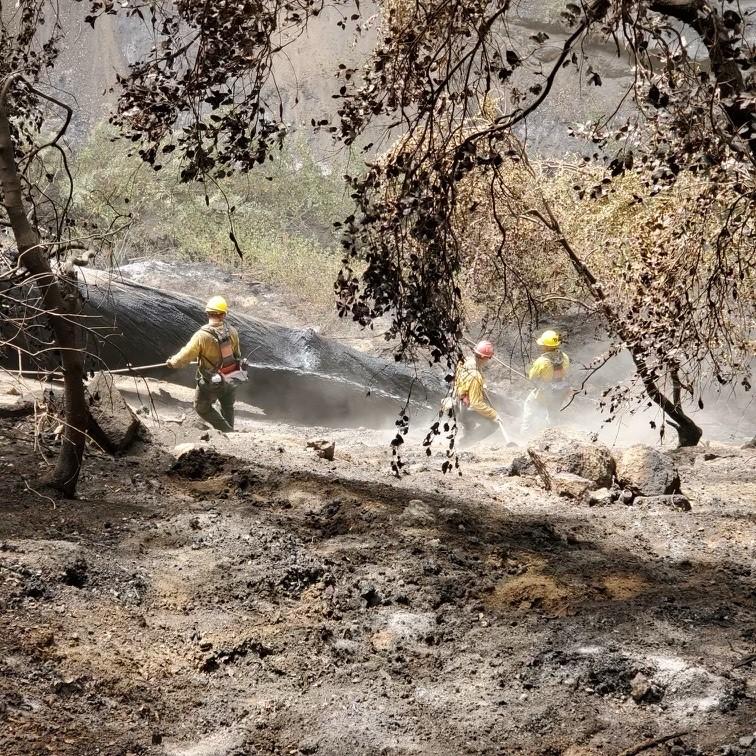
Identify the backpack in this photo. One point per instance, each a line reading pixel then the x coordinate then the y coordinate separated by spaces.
pixel 558 381
pixel 228 369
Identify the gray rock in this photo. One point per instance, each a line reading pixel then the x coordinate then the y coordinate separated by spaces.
pixel 113 425
pixel 746 741
pixel 451 516
pixel 370 595
pixel 643 690
pixel 403 628
pixel 520 465
pixel 11 408
pixel 601 497
pixel 569 485
pixel 640 688
pixel 67 686
pixel 648 472
pixel 180 449
pixel 417 513
pixel 309 745
pixel 672 501
pixel 556 451
pixel 626 497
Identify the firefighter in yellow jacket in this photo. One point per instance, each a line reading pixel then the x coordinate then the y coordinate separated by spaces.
pixel 216 349
pixel 474 412
pixel 549 373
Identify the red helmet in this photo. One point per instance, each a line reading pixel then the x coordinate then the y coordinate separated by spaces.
pixel 484 349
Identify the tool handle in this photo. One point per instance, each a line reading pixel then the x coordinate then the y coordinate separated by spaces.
pixel 138 368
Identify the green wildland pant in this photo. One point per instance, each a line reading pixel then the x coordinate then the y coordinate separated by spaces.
pixel 205 397
pixel 475 427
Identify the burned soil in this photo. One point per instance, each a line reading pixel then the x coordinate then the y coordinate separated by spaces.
pixel 255 598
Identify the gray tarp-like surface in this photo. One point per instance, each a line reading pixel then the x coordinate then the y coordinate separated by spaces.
pixel 294 374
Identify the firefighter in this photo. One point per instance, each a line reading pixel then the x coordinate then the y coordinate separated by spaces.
pixel 216 349
pixel 477 418
pixel 549 374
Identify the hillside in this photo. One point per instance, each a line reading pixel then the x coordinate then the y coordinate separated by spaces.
pixel 306 80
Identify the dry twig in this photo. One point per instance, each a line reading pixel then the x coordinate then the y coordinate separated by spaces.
pixel 651 743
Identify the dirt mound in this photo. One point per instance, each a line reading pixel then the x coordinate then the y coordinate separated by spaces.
pixel 534 592
pixel 200 464
pixel 623 587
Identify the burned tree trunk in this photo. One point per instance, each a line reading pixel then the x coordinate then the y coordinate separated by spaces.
pixel 688 433
pixel 60 302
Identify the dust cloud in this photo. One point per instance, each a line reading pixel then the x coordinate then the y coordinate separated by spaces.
pixel 728 414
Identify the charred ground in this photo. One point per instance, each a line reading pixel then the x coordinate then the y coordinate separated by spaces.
pixel 253 598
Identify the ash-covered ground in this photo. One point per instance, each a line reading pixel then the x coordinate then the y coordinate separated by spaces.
pixel 255 598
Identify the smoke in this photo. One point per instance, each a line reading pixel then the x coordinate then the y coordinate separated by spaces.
pixel 728 414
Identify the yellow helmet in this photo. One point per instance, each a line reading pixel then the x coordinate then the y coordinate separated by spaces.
pixel 216 304
pixel 549 339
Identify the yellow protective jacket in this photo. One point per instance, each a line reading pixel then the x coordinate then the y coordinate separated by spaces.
pixel 204 348
pixel 469 389
pixel 550 367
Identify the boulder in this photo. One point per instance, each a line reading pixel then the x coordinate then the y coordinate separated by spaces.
pixel 648 472
pixel 556 451
pixel 417 513
pixel 304 377
pixel 113 425
pixel 601 497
